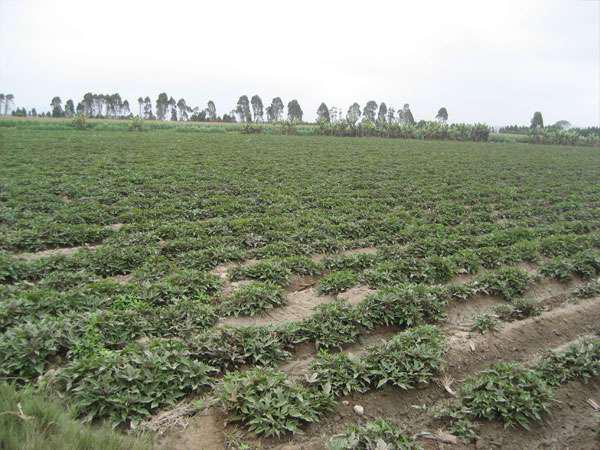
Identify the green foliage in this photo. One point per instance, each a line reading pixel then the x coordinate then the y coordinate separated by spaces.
pixel 136 124
pixel 509 283
pixel 251 128
pixel 268 404
pixel 558 268
pixel 333 325
pixel 129 385
pixel 580 361
pixel 338 374
pixel 31 420
pixel 519 309
pixel 26 349
pixel 301 265
pixel 229 348
pixel 270 271
pixel 337 282
pixel 403 307
pixel 588 290
pixel 254 298
pixel 410 358
pixel 80 122
pixel 484 323
pixel 508 392
pixel 374 435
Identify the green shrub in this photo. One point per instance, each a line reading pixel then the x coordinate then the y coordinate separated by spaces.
pixel 251 128
pixel 410 358
pixel 333 325
pixel 229 348
pixel 439 269
pixel 11 269
pixel 26 349
pixel 580 361
pixel 79 122
pixel 587 264
pixel 337 282
pixel 129 385
pixel 268 404
pixel 136 124
pixel 356 262
pixel 588 290
pixel 519 309
pixel 484 323
pixel 252 299
pixel 268 271
pixel 403 307
pixel 31 420
pixel 302 265
pixel 509 283
pixel 507 392
pixel 339 374
pixel 374 435
pixel 558 268
pixel 191 284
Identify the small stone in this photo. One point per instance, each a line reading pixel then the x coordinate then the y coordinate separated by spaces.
pixel 345 402
pixel 359 410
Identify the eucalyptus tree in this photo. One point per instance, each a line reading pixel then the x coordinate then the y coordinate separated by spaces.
pixel 294 111
pixel 353 114
pixel 369 111
pixel 69 108
pixel 126 111
pixel 140 103
pixel 211 110
pixel 537 121
pixel 407 116
pixel 183 109
pixel 8 100
pixel 275 110
pixel 382 114
pixel 323 113
pixel 334 114
pixel 148 108
pixel 257 108
pixel 162 103
pixel 391 115
pixel 442 115
pixel 56 107
pixel 243 109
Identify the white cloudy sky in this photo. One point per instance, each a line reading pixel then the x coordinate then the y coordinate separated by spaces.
pixel 491 61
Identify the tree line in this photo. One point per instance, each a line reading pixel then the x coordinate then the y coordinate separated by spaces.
pixel 246 110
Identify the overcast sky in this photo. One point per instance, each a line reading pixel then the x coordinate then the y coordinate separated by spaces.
pixel 490 61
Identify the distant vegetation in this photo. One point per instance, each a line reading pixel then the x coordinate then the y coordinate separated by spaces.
pixel 373 120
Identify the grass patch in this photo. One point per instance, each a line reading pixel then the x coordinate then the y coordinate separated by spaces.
pixel 30 420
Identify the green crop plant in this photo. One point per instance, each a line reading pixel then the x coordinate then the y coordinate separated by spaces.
pixel 251 299
pixel 268 404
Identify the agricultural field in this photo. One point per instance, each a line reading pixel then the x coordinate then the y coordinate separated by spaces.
pixel 214 289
